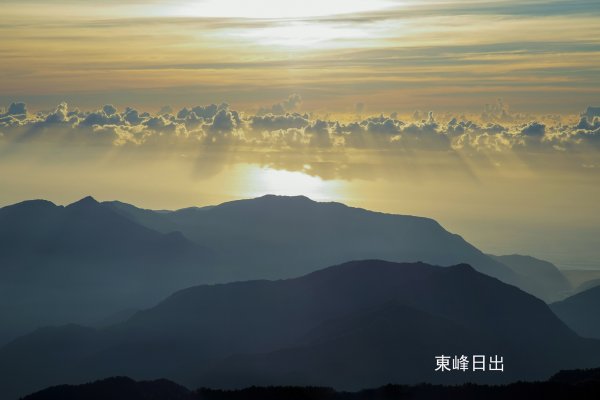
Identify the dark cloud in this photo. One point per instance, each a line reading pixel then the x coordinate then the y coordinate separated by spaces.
pixel 591 112
pixel 160 123
pixel 205 112
pixel 106 116
pixel 61 114
pixel 272 122
pixel 15 112
pixel 109 109
pixel 224 121
pixel 425 135
pixel 382 125
pixel 17 109
pixel 319 135
pixel 132 116
pixel 534 129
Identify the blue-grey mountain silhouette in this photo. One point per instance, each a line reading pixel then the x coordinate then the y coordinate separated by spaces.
pixel 359 324
pixel 581 312
pixel 588 285
pixel 538 277
pixel 278 236
pixel 83 262
pixel 88 261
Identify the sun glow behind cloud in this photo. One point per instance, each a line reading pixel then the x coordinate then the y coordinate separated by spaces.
pixel 261 180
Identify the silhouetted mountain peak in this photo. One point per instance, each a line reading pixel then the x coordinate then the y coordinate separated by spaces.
pixel 36 203
pixel 31 205
pixel 274 200
pixel 279 201
pixel 86 202
pixel 280 198
pixel 297 200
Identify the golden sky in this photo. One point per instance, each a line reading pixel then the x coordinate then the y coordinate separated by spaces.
pixel 540 56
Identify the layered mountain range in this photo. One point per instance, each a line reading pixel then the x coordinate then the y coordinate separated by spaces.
pixel 350 326
pixel 244 294
pixel 581 312
pixel 87 261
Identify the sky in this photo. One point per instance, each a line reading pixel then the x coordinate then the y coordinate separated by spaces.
pixel 483 115
pixel 539 56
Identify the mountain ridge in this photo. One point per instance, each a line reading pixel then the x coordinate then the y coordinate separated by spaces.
pixel 103 257
pixel 80 262
pixel 580 312
pixel 575 384
pixel 294 331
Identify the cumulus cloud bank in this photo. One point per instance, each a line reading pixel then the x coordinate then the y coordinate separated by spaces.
pixel 218 124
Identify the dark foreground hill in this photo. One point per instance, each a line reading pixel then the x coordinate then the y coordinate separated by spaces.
pixel 581 312
pixel 355 325
pixel 577 384
pixel 116 388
